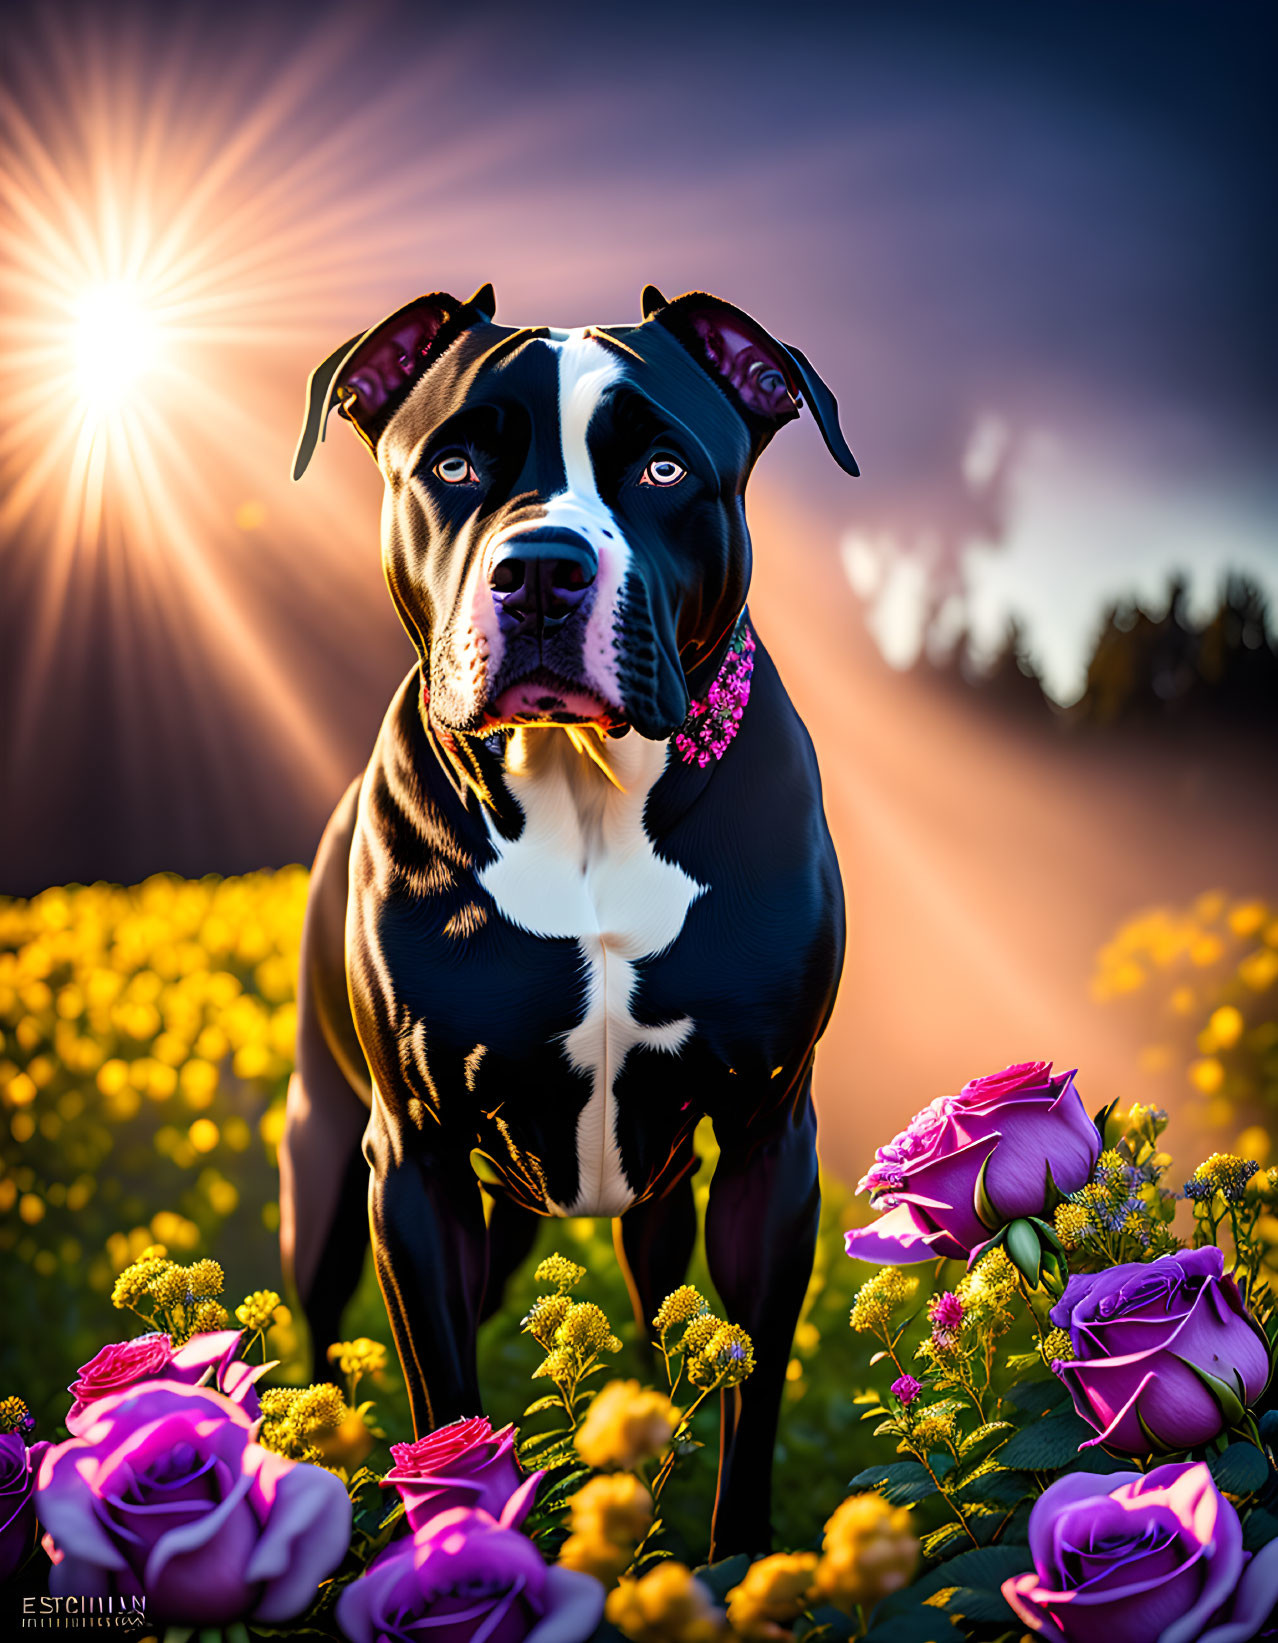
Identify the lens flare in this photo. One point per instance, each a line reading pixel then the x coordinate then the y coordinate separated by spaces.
pixel 177 248
pixel 114 344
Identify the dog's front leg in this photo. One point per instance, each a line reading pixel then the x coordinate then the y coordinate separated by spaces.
pixel 761 1227
pixel 427 1223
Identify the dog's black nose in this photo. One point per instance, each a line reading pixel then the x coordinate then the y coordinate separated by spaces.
pixel 539 578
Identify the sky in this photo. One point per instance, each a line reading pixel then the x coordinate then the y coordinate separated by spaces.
pixel 1031 249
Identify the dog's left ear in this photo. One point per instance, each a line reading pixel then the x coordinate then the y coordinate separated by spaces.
pixel 768 379
pixel 370 375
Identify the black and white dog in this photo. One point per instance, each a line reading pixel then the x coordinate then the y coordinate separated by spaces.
pixel 584 893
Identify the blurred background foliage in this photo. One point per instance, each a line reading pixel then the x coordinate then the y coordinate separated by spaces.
pixel 1149 670
pixel 1202 983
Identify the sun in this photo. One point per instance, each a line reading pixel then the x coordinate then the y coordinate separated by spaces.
pixel 115 342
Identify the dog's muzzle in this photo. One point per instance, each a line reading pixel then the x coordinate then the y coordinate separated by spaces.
pixel 538 579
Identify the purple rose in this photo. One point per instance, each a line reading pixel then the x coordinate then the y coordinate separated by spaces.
pixel 151 1357
pixel 469 1575
pixel 970 1163
pixel 1144 1338
pixel 465 1464
pixel 1153 1557
pixel 18 1468
pixel 165 1495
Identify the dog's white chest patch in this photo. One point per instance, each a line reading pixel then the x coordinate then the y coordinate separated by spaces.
pixel 584 868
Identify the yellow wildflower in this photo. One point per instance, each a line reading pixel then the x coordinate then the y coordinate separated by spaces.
pixel 361 1356
pixel 774 1593
pixel 257 1311
pixel 590 1553
pixel 586 1330
pixel 14 1415
pixel 209 1315
pixel 559 1272
pixel 879 1296
pixel 1073 1224
pixel 680 1307
pixel 869 1550
pixel 614 1506
pixel 544 1318
pixel 317 1411
pixel 204 1279
pixel 625 1425
pixel 667 1605
pixel 699 1333
pixel 726 1360
pixel 135 1281
pixel 1057 1347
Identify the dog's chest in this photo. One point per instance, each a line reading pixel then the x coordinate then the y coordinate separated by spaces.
pixel 584 869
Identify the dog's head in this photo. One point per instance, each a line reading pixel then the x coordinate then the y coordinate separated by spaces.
pixel 563 529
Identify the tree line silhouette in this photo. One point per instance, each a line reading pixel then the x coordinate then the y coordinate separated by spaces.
pixel 1147 671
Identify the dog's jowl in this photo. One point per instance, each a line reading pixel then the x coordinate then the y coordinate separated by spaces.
pixel 584 894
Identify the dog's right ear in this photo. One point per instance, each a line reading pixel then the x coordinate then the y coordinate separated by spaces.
pixel 370 376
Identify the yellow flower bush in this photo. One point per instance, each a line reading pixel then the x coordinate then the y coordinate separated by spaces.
pixel 869 1550
pixel 773 1595
pixel 666 1605
pixel 626 1425
pixel 1205 980
pixel 146 1039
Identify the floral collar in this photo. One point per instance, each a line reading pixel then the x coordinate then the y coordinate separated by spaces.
pixel 713 719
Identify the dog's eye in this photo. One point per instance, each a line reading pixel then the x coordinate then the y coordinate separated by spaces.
pixel 455 469
pixel 663 470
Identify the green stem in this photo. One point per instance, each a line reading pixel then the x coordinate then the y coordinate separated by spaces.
pixel 921 1455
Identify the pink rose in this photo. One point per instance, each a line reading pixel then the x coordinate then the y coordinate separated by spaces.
pixel 165 1495
pixel 469 1576
pixel 970 1163
pixel 465 1464
pixel 124 1363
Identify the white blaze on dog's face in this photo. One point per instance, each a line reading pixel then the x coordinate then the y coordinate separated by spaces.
pixel 563 529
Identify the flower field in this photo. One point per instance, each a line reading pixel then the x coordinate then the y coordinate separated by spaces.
pixel 1051 1409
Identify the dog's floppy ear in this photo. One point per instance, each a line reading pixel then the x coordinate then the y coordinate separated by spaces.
pixel 370 375
pixel 768 379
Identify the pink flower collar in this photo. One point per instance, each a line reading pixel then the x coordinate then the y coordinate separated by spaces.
pixel 713 719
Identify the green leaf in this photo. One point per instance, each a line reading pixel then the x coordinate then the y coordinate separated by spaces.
pixel 1036 1397
pixel 564 1486
pixel 544 1441
pixel 976 1440
pixel 973 1603
pixel 1048 1241
pixel 1101 1462
pixel 1232 1401
pixel 948 1534
pixel 1259 1528
pixel 1052 1194
pixel 721 1577
pixel 901 1484
pixel 1102 1119
pixel 995 1487
pixel 1048 1444
pixel 922 1625
pixel 985 1569
pixel 550 1401
pixel 986 1213
pixel 1241 1470
pixel 1024 1251
pixel 985 1522
pixel 828 1625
